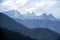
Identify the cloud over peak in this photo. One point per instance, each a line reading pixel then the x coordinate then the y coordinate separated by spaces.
pixel 24 6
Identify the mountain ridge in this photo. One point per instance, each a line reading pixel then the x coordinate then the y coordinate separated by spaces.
pixel 16 14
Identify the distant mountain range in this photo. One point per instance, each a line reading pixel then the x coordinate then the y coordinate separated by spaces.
pixel 30 20
pixel 47 17
pixel 36 33
pixel 16 14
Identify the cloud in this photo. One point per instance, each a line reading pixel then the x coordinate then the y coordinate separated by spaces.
pixel 13 4
pixel 22 1
pixel 21 4
pixel 38 6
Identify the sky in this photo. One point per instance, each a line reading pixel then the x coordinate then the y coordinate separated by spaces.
pixel 37 6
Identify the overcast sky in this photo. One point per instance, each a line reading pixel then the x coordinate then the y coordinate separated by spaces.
pixel 37 6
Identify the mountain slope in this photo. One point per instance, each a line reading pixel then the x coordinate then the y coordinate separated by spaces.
pixel 9 23
pixel 36 23
pixel 39 33
pixel 12 35
pixel 44 34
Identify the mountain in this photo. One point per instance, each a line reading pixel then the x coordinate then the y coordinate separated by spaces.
pixel 38 33
pixel 12 13
pixel 44 34
pixel 9 23
pixel 30 23
pixel 47 17
pixel 7 34
pixel 43 16
pixel 51 17
pixel 37 23
pixel 28 15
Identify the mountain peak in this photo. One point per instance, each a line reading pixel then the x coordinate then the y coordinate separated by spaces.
pixel 43 16
pixel 51 17
pixel 48 17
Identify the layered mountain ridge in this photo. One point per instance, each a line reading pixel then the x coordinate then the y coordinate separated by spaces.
pixel 39 33
pixel 16 14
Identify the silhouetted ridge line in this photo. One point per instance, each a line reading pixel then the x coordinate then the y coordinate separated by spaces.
pixel 11 35
pixel 9 23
